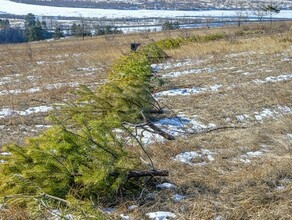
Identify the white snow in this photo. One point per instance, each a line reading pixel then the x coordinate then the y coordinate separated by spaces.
pixel 87 69
pixel 37 89
pixel 272 113
pixel 244 53
pixel 57 215
pixel 171 65
pixel 287 59
pixel 32 78
pixel 246 158
pixel 176 126
pixel 42 126
pixel 187 72
pixel 23 9
pixel 241 118
pixel 166 186
pixel 5 154
pixel 254 153
pixel 274 79
pixel 132 207
pixel 203 157
pixel 6 112
pixel 188 91
pixel 177 198
pixel 124 217
pixel 265 113
pixel 180 125
pixel 160 215
pixel 108 210
pixel 280 187
pixel 185 91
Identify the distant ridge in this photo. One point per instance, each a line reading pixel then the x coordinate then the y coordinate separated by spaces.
pixel 158 4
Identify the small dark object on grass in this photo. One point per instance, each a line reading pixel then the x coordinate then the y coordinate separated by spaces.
pixel 134 46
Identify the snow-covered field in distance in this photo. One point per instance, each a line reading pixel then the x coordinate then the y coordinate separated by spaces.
pixel 9 7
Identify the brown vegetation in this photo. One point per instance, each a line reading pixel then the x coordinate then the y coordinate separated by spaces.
pixel 231 186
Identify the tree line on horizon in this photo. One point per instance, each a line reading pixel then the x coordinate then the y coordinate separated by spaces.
pixel 35 30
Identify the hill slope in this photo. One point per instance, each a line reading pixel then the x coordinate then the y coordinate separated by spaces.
pixel 229 105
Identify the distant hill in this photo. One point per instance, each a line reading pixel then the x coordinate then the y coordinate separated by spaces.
pixel 158 4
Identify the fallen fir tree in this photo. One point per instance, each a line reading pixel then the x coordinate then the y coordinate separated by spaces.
pixel 84 157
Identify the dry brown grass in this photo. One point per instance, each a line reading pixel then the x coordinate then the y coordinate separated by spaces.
pixel 226 187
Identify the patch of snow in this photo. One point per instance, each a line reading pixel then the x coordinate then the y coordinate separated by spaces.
pixel 171 65
pixel 218 217
pixel 39 10
pixel 33 90
pixel 124 217
pixel 180 125
pixel 177 198
pixel 37 109
pixel 37 89
pixel 60 85
pixel 229 68
pixel 175 92
pixel 7 92
pixel 284 109
pixel 47 62
pixel 289 136
pixel 245 53
pixel 195 158
pixel 187 72
pixel 5 154
pixel 5 80
pixel 241 118
pixel 286 59
pixel 265 113
pixel 42 126
pixel 41 62
pixel 147 137
pixel 214 88
pixel 280 187
pixel 132 207
pixel 2 161
pixel 57 215
pixel 175 126
pixel 188 91
pixel 246 158
pixel 254 153
pixel 160 215
pixel 108 210
pixel 2 126
pixel 166 186
pixel 246 73
pixel 268 113
pixel 274 79
pixel 6 112
pixel 31 78
pixel 87 69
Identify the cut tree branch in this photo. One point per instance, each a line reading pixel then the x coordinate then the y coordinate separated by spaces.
pixel 156 129
pixel 143 173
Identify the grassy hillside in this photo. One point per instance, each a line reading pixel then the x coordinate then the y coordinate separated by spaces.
pixel 228 103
